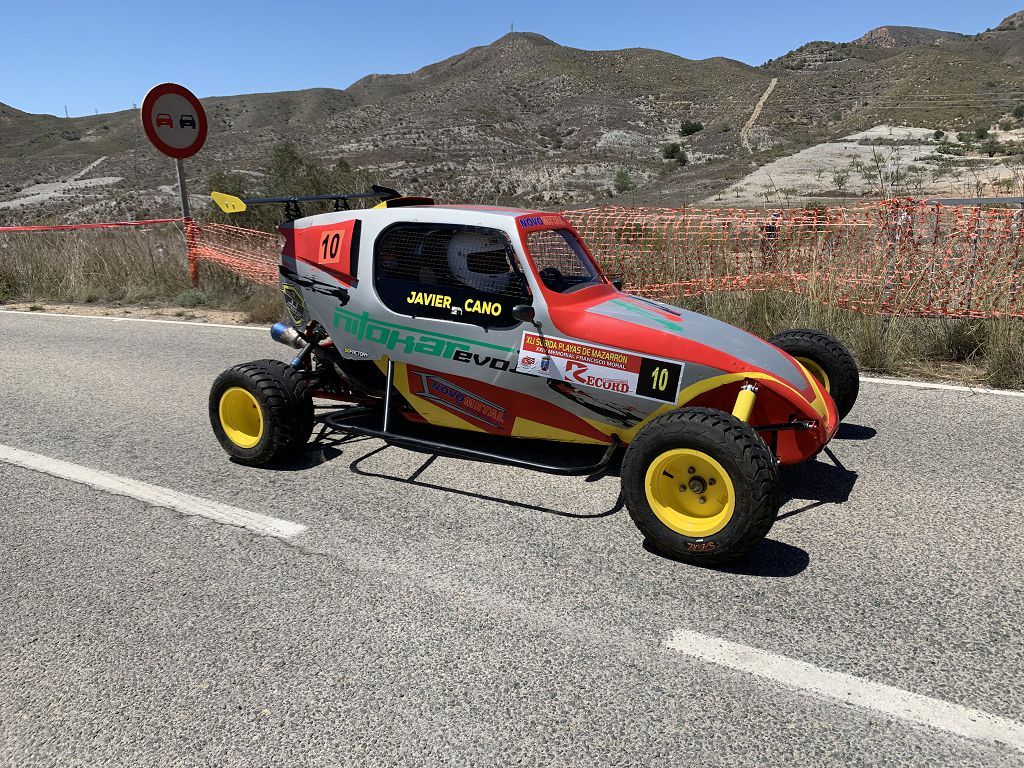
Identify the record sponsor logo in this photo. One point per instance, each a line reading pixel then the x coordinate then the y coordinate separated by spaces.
pixel 604 368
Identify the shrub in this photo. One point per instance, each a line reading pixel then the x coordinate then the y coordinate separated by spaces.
pixel 623 182
pixel 190 297
pixel 690 127
pixel 670 151
pixel 991 147
pixel 1018 111
pixel 938 135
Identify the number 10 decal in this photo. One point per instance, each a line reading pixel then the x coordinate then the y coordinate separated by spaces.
pixel 659 379
pixel 331 246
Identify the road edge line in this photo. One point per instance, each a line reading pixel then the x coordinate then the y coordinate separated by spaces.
pixel 917 384
pixel 941 385
pixel 133 319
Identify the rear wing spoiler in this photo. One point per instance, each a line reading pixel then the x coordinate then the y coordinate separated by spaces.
pixel 390 198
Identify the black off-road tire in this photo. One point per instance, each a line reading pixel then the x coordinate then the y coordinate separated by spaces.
pixel 829 353
pixel 738 449
pixel 285 401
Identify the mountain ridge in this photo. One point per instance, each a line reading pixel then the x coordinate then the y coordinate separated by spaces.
pixel 526 120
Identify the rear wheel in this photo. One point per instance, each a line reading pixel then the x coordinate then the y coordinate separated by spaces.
pixel 701 485
pixel 261 412
pixel 827 360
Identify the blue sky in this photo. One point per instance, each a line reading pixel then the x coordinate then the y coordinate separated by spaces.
pixel 105 55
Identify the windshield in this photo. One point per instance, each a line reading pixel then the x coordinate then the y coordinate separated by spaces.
pixel 561 262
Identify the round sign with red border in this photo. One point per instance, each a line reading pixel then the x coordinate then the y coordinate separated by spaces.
pixel 174 120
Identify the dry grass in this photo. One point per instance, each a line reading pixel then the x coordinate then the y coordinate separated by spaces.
pixel 148 267
pixel 124 266
pixel 984 352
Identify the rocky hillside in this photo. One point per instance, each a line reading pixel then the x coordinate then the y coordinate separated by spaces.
pixel 527 120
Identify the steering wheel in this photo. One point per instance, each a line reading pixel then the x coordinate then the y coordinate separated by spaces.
pixel 552 278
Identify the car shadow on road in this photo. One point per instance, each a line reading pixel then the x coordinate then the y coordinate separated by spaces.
pixel 325 446
pixel 854 432
pixel 816 482
pixel 414 480
pixel 769 558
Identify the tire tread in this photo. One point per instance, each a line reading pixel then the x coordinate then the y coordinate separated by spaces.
pixel 839 363
pixel 753 458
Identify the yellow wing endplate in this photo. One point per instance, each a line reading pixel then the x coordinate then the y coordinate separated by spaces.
pixel 228 203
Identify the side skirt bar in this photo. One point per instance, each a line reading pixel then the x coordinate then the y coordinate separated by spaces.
pixel 338 421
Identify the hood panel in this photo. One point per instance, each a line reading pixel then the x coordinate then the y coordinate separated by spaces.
pixel 704 330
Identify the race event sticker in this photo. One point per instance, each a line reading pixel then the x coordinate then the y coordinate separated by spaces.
pixel 604 368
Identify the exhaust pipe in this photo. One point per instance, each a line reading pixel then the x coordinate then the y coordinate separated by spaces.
pixel 287 335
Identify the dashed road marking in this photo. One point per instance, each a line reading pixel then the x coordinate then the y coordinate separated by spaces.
pixel 961 721
pixel 153 495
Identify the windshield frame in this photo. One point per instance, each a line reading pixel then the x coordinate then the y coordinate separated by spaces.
pixel 561 225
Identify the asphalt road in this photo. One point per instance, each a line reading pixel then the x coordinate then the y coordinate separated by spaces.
pixel 440 612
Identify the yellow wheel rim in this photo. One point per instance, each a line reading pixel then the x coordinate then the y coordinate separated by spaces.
pixel 241 417
pixel 676 483
pixel 815 370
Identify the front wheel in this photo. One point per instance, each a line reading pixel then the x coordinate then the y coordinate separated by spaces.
pixel 827 360
pixel 261 412
pixel 701 485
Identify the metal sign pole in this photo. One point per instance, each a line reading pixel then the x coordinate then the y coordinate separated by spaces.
pixel 182 187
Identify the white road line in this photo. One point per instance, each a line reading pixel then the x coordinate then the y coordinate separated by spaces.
pixel 922 710
pixel 938 385
pixel 264 328
pixel 864 379
pixel 153 495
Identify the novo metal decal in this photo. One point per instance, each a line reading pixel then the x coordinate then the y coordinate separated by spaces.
pixel 454 398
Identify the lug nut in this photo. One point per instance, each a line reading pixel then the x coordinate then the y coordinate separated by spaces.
pixel 702 499
pixel 691 470
pixel 711 481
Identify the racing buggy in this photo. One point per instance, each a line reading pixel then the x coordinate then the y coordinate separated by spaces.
pixel 499 321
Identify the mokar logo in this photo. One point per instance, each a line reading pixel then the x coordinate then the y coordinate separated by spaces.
pixel 580 372
pixel 530 361
pixel 455 398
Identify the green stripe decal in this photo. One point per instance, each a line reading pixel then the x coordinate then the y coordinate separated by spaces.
pixel 364 328
pixel 647 314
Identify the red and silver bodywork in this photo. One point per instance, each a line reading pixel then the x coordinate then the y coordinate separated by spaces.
pixel 595 363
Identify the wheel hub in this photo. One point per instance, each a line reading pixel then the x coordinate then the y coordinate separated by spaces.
pixel 690 492
pixel 241 417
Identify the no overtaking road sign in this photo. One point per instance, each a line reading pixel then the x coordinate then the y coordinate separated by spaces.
pixel 174 120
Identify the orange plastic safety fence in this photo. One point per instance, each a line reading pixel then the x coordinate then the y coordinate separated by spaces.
pixel 247 252
pixel 894 257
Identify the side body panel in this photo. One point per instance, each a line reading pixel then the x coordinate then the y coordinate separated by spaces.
pixel 461 375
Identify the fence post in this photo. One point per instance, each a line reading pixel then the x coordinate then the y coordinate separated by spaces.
pixel 190 249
